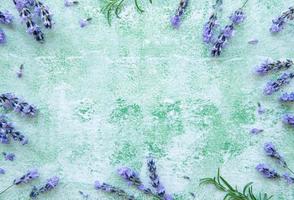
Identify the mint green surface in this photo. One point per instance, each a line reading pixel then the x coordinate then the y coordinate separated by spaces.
pixel 111 96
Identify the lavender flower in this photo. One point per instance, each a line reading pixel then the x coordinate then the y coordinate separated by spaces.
pixel 11 102
pixel 176 19
pixel 50 184
pixel 260 109
pixel 6 17
pixel 274 86
pixel 280 22
pixel 271 151
pixel 223 38
pixel 238 16
pixel 289 119
pixel 9 156
pixel 209 28
pixel 2 171
pixel 112 189
pixel 7 130
pixel 19 73
pixel 84 22
pixel 155 182
pixel 69 3
pixel 288 178
pixel 29 176
pixel 2 37
pixel 266 171
pixel 268 66
pixel 44 13
pixel 287 97
pixel 256 131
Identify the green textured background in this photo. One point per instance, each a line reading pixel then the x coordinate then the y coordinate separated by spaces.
pixel 111 96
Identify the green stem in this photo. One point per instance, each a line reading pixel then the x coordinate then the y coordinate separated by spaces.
pixel 290 170
pixel 244 4
pixel 6 189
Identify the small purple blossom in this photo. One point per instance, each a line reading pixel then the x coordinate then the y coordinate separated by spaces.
pixel 289 119
pixel 84 22
pixel 288 178
pixel 287 97
pixel 279 23
pixel 29 176
pixel 238 17
pixel 6 17
pixel 68 3
pixel 11 102
pixel 266 171
pixel 2 37
pixel 112 189
pixel 256 131
pixel 260 109
pixel 9 156
pixel 43 12
pixel 274 86
pixel 271 151
pixel 222 39
pixel 50 185
pixel 176 19
pixel 209 28
pixel 268 66
pixel 2 171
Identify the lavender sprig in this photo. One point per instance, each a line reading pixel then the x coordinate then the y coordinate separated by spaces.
pixel 26 16
pixel 176 19
pixel 266 171
pixel 6 17
pixel 287 97
pixel 2 37
pixel 7 130
pixel 271 151
pixel 268 66
pixel 11 102
pixel 49 185
pixel 43 11
pixel 155 182
pixel 288 119
pixel 209 28
pixel 112 189
pixel 279 23
pixel 274 86
pixel 26 178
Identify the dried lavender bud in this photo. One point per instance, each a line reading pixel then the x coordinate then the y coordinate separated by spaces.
pixel 271 151
pixel 274 86
pixel 280 22
pixel 7 130
pixel 69 3
pixel 267 172
pixel 9 156
pixel 155 182
pixel 289 119
pixel 6 17
pixel 43 11
pixel 2 171
pixel 176 19
pixel 209 28
pixel 288 178
pixel 222 39
pixel 85 196
pixel 11 102
pixel 2 37
pixel 112 189
pixel 268 66
pixel 29 176
pixel 50 184
pixel 260 109
pixel 238 17
pixel 256 131
pixel 253 41
pixel 287 97
pixel 84 22
pixel 19 73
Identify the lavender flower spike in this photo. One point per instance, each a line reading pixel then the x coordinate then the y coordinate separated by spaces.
pixel 287 97
pixel 268 66
pixel 280 22
pixel 267 172
pixel 11 102
pixel 176 19
pixel 288 178
pixel 271 151
pixel 238 16
pixel 44 13
pixel 155 182
pixel 29 176
pixel 6 17
pixel 289 119
pixel 50 185
pixel 274 86
pixel 223 38
pixel 114 190
pixel 2 37
pixel 209 28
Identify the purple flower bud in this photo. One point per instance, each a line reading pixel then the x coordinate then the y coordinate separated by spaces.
pixel 274 86
pixel 9 156
pixel 50 184
pixel 2 171
pixel 266 171
pixel 84 22
pixel 114 190
pixel 69 3
pixel 268 66
pixel 238 16
pixel 43 12
pixel 280 22
pixel 287 97
pixel 209 28
pixel 29 176
pixel 288 178
pixel 256 131
pixel 6 17
pixel 271 151
pixel 176 19
pixel 289 119
pixel 2 37
pixel 260 109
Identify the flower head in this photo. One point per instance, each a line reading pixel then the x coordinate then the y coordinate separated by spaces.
pixel 29 176
pixel 288 178
pixel 50 184
pixel 43 11
pixel 287 97
pixel 268 66
pixel 266 171
pixel 238 16
pixel 279 23
pixel 223 38
pixel 176 19
pixel 288 119
pixel 9 156
pixel 112 189
pixel 276 85
pixel 209 28
pixel 271 151
pixel 2 37
pixel 6 17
